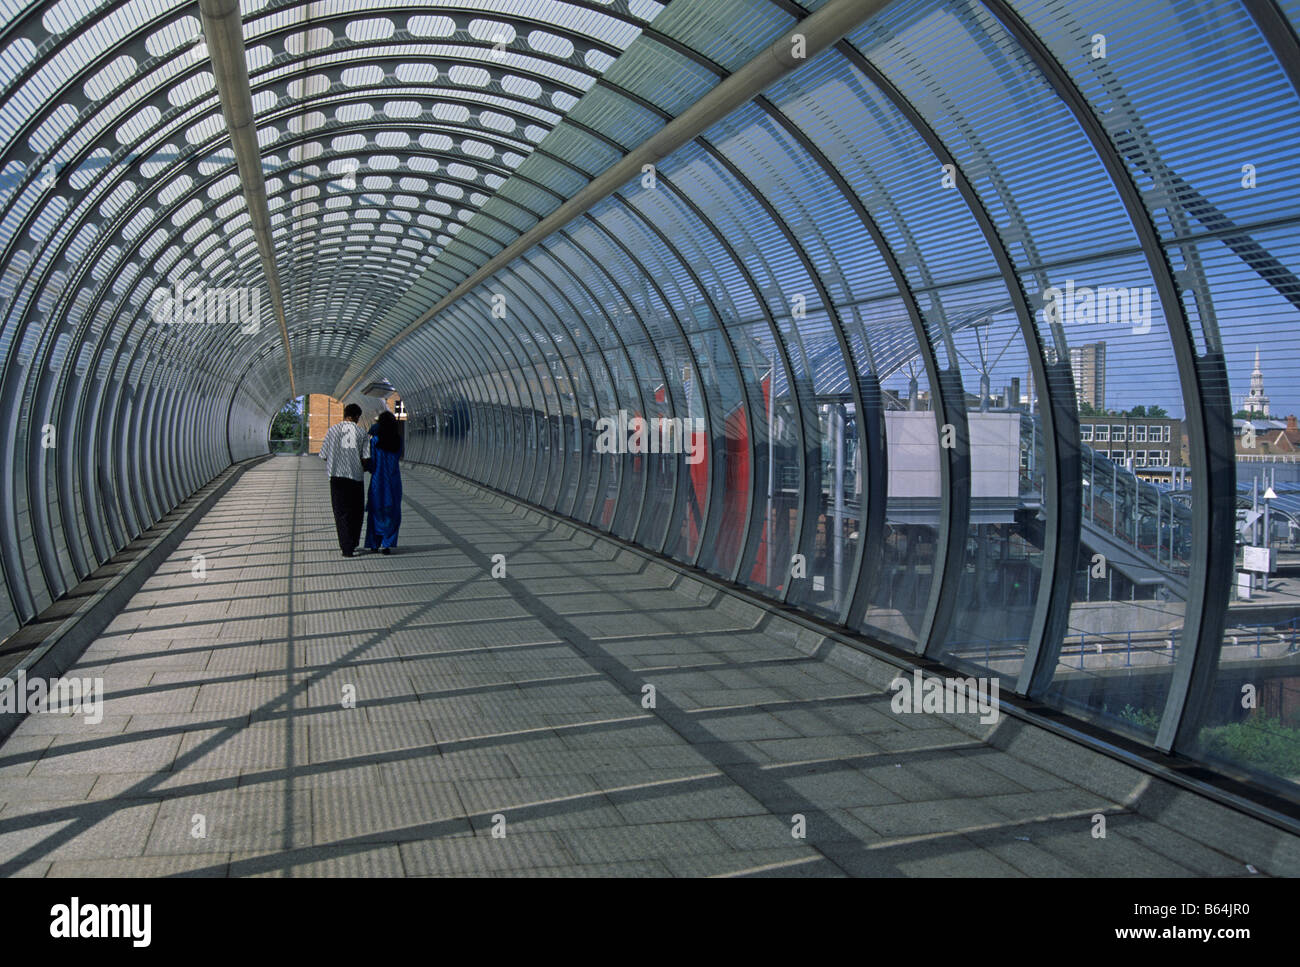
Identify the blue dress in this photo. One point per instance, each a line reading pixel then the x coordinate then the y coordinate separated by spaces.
pixel 384 505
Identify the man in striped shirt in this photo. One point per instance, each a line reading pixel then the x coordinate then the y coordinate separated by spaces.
pixel 344 448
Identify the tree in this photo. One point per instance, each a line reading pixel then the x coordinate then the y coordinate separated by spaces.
pixel 289 423
pixel 1141 411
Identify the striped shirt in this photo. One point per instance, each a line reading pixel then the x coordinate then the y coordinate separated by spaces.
pixel 343 448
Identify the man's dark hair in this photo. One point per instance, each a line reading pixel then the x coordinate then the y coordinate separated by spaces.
pixel 352 412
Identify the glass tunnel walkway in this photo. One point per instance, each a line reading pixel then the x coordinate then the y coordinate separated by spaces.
pixel 753 354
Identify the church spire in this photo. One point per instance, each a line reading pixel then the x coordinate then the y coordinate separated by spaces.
pixel 1256 401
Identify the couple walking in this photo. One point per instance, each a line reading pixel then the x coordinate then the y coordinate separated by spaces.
pixel 349 451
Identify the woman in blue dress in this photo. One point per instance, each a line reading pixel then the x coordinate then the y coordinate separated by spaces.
pixel 384 505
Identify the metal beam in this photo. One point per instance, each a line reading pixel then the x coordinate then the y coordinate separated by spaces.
pixel 1281 39
pixel 223 31
pixel 1204 382
pixel 819 31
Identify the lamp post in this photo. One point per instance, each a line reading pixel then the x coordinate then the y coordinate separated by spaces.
pixel 1269 495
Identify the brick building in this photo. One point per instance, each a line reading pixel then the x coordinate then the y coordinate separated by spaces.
pixel 1269 438
pixel 324 411
pixel 1136 441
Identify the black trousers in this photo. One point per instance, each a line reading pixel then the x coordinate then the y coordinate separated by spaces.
pixel 348 499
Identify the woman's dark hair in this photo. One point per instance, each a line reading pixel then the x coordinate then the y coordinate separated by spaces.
pixel 387 432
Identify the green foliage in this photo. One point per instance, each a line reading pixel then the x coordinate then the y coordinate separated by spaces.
pixel 289 423
pixel 1152 412
pixel 1140 718
pixel 1262 742
pixel 1140 411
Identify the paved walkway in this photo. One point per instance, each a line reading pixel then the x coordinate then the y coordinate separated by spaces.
pixel 512 705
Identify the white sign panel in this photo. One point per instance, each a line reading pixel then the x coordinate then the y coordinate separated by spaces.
pixel 1257 559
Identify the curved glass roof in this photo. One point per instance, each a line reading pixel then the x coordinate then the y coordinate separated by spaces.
pixel 976 222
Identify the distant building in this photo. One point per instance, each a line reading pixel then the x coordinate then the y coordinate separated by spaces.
pixel 1088 363
pixel 1135 441
pixel 1259 439
pixel 324 411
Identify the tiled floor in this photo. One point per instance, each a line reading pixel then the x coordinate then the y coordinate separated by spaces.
pixel 295 713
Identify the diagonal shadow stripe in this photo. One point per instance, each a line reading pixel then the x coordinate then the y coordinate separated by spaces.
pixel 34 852
pixel 825 833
